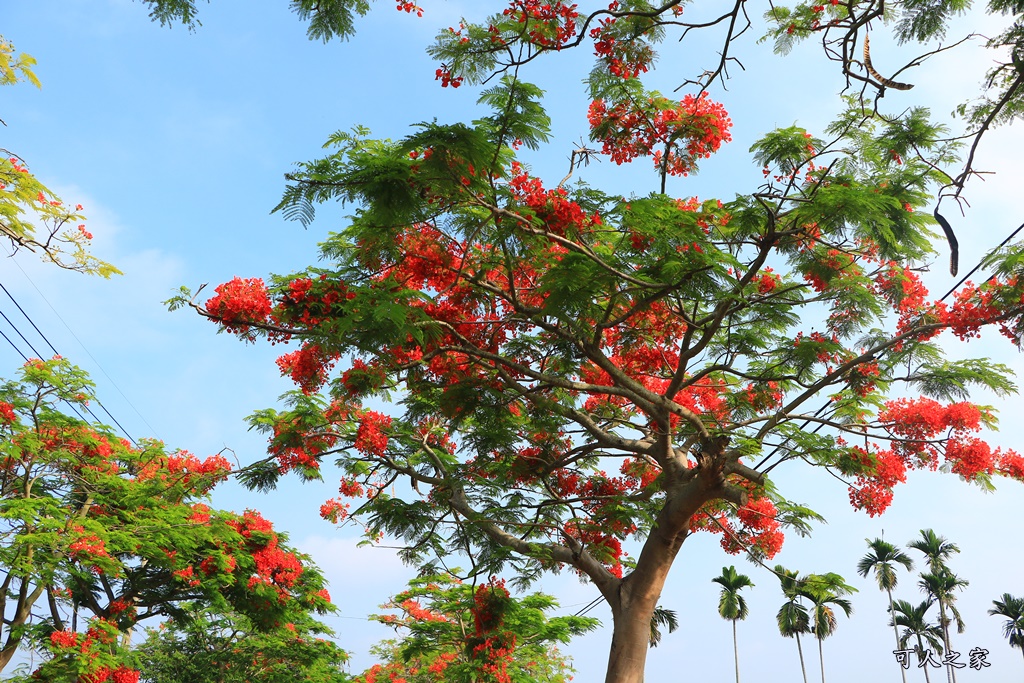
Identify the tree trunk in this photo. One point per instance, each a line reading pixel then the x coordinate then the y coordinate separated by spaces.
pixel 22 612
pixel 800 649
pixel 821 660
pixel 630 640
pixel 920 654
pixel 950 678
pixel 735 651
pixel 895 631
pixel 634 598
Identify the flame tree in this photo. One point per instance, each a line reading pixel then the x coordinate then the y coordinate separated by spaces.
pixel 580 379
pixel 99 535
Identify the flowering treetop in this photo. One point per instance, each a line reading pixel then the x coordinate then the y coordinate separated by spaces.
pixel 570 370
pixel 109 533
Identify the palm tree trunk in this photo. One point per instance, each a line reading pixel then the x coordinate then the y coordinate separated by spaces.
pixel 821 660
pixel 735 651
pixel 800 649
pixel 950 677
pixel 895 631
pixel 920 653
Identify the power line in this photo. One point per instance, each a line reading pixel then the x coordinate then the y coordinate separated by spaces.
pixel 54 349
pixel 593 603
pixel 25 358
pixel 14 346
pixel 152 431
pixel 57 353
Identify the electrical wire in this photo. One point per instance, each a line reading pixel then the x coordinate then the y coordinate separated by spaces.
pixel 110 379
pixel 57 353
pixel 25 358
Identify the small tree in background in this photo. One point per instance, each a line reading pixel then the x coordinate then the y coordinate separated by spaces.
pixel 825 592
pixel 793 617
pixel 214 647
pixel 1013 609
pixel 99 535
pixel 732 605
pixel 915 625
pixel 881 560
pixel 940 583
pixel 461 633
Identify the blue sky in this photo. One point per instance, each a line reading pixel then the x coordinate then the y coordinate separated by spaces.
pixel 176 144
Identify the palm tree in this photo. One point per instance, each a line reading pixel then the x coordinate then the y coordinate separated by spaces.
pixel 936 548
pixel 937 584
pixel 913 621
pixel 941 586
pixel 792 617
pixel 662 617
pixel 731 605
pixel 825 591
pixel 1013 609
pixel 881 559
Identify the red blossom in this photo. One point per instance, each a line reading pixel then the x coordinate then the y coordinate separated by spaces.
pixel 696 128
pixel 370 436
pixel 239 303
pixel 308 367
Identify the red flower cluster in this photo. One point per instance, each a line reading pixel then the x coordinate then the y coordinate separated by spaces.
pixel 274 566
pixel 86 548
pixel 767 282
pixel 99 635
pixel 626 58
pixel 763 396
pixel 974 308
pixel 415 610
pixel 444 75
pixel 923 431
pixel 370 436
pixel 547 24
pixel 873 492
pixel 559 215
pixel 308 367
pixel 760 531
pixel 334 511
pixel 493 648
pixel 692 129
pixel 121 674
pixel 239 303
pixel 409 7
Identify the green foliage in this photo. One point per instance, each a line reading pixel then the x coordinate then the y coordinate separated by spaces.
pixel 212 647
pixel 97 535
pixel 327 18
pixel 923 20
pixel 445 627
pixel 31 216
pixel 825 592
pixel 732 605
pixel 16 67
pixel 662 619
pixel 913 619
pixel 1012 608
